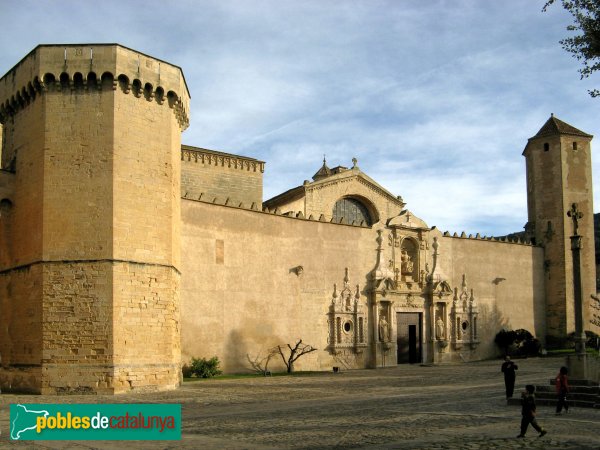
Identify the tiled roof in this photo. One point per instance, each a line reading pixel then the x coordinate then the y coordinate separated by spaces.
pixel 323 172
pixel 555 126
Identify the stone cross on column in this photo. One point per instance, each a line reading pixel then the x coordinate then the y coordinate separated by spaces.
pixel 580 338
pixel 575 215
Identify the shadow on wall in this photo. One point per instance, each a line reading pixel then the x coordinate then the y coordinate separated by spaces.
pixel 494 322
pixel 241 345
pixel 235 353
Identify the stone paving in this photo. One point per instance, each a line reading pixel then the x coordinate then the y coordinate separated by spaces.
pixel 406 407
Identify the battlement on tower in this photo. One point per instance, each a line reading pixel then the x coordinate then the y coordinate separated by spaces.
pixel 93 66
pixel 90 180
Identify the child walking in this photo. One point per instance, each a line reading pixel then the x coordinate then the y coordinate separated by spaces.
pixel 528 412
pixel 562 389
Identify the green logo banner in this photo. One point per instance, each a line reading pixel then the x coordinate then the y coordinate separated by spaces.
pixel 95 422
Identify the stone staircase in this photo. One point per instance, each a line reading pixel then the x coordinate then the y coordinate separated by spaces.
pixel 584 394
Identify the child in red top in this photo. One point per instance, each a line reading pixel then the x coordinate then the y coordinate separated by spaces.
pixel 562 388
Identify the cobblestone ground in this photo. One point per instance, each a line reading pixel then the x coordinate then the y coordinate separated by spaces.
pixel 408 407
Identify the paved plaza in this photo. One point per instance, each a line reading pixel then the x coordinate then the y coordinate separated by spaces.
pixel 407 407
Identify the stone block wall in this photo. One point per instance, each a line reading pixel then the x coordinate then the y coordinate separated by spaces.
pixel 77 327
pixel 95 227
pixel 241 292
pixel 249 297
pixel 147 327
pixel 507 281
pixel 222 176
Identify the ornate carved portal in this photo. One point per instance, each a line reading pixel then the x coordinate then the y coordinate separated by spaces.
pixel 408 281
pixel 347 320
pixel 399 287
pixel 464 318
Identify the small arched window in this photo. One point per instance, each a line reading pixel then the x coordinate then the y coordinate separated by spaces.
pixel 352 210
pixel 546 147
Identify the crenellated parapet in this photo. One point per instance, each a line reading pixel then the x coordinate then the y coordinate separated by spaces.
pixel 227 202
pixel 478 237
pixel 93 67
pixel 218 159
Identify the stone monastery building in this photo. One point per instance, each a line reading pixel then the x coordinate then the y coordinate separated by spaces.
pixel 124 253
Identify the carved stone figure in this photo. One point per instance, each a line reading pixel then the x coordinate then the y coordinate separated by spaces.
pixel 439 329
pixel 348 302
pixel 384 329
pixel 406 263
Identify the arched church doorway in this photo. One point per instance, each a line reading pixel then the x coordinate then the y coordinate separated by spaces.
pixel 408 338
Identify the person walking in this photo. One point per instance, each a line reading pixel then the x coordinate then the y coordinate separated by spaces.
pixel 528 412
pixel 508 369
pixel 562 389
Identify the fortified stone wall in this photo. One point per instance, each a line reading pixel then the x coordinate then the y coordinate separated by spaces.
pixel 209 175
pixel 6 209
pixel 249 296
pixel 93 137
pixel 242 292
pixel 507 281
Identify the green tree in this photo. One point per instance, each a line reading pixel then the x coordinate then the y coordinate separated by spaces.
pixel 585 46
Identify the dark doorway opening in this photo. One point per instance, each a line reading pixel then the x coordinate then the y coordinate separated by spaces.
pixel 408 338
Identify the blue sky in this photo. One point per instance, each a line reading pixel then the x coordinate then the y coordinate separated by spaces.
pixel 436 99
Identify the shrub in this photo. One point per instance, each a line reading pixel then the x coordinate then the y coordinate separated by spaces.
pixel 590 336
pixel 518 343
pixel 205 368
pixel 186 371
pixel 504 339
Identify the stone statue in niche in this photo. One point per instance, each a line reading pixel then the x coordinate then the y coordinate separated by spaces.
pixel 439 329
pixel 348 301
pixel 405 263
pixel 384 329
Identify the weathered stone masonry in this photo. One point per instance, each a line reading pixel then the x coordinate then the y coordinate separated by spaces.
pixel 90 279
pixel 108 278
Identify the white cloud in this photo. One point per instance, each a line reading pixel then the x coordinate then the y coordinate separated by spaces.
pixel 436 99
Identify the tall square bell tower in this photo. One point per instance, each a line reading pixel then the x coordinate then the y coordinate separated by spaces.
pixel 559 173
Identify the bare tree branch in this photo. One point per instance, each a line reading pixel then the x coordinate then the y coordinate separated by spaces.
pixel 296 352
pixel 261 364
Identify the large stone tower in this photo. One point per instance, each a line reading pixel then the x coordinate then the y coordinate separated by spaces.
pixel 89 223
pixel 559 173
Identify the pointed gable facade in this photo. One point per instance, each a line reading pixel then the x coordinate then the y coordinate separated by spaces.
pixel 340 195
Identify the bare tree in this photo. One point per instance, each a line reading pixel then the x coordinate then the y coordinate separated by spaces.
pixel 296 352
pixel 261 364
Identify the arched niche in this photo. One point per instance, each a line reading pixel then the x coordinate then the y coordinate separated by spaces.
pixel 409 259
